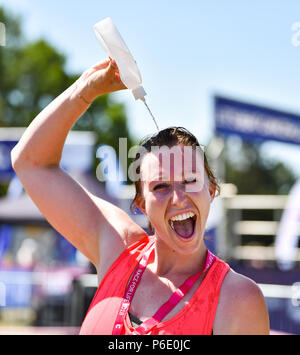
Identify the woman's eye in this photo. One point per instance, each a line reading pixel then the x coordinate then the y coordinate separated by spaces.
pixel 160 187
pixel 188 181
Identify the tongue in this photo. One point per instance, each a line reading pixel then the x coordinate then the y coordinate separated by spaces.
pixel 184 228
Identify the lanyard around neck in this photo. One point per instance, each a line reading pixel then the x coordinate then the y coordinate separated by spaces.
pixel 150 323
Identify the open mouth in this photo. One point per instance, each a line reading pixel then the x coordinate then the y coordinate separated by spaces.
pixel 184 224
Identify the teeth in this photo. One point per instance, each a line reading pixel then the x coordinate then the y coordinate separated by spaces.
pixel 182 217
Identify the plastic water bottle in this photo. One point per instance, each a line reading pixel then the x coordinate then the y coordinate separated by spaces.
pixel 114 45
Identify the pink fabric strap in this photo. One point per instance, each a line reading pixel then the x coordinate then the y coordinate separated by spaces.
pixel 150 323
pixel 130 291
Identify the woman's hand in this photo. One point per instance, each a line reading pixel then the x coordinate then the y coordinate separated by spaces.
pixel 102 78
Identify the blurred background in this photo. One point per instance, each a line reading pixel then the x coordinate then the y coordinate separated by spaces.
pixel 227 71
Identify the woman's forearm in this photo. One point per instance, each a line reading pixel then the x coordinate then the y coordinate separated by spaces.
pixel 43 141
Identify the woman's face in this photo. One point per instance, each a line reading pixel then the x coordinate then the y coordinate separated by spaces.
pixel 176 196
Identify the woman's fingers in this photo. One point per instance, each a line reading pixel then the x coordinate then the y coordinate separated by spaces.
pixel 117 76
pixel 113 70
pixel 101 78
pixel 101 65
pixel 105 63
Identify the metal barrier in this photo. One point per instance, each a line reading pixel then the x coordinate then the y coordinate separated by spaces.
pixel 258 232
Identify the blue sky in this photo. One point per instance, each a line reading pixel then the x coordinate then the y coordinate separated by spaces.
pixel 186 51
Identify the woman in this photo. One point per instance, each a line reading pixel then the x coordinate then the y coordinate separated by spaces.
pixel 139 273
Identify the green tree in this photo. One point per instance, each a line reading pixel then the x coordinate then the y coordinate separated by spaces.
pixel 32 74
pixel 252 173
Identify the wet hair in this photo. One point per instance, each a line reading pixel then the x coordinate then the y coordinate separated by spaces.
pixel 169 137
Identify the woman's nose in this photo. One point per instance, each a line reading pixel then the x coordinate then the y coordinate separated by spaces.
pixel 178 197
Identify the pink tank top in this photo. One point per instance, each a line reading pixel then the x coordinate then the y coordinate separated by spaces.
pixel 196 318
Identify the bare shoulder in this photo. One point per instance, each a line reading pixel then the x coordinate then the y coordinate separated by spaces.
pixel 119 222
pixel 242 308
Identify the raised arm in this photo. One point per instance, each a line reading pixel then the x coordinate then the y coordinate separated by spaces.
pixel 84 219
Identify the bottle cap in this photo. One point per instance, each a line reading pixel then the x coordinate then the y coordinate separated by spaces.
pixel 139 93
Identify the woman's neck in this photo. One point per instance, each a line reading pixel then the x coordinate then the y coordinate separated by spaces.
pixel 169 262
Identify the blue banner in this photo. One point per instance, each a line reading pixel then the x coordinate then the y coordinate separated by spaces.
pixel 81 145
pixel 255 123
pixel 6 170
